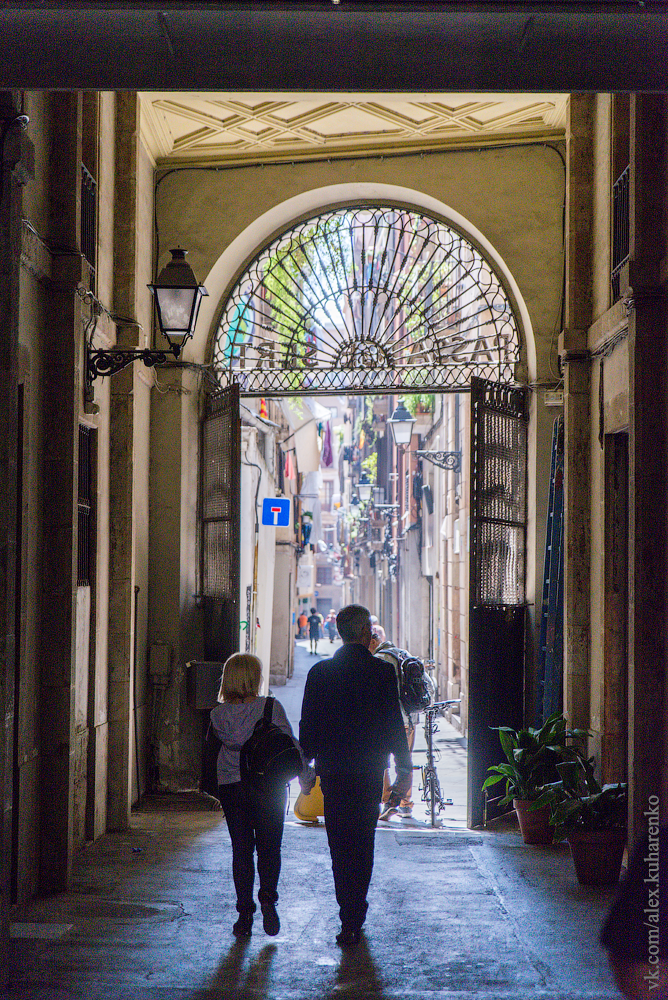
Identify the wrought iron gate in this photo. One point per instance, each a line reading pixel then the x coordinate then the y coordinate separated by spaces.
pixel 497 576
pixel 220 506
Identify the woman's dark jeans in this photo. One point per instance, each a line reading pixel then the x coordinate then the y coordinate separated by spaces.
pixel 255 822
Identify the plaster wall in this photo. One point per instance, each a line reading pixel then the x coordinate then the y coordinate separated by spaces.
pixel 513 197
pixel 261 578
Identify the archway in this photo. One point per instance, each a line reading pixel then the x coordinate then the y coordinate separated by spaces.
pixel 379 298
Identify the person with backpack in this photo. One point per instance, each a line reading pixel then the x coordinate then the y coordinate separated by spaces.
pixel 350 723
pixel 416 692
pixel 258 755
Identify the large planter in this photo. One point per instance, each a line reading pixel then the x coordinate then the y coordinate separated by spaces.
pixel 597 855
pixel 534 823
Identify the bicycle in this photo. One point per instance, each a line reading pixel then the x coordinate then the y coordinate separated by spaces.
pixel 431 786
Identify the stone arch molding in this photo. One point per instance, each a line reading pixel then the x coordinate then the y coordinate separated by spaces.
pixel 223 277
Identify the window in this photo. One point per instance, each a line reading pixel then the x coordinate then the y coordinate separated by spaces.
pixel 323 576
pixel 85 545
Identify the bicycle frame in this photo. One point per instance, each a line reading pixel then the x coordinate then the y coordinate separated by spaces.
pixel 431 788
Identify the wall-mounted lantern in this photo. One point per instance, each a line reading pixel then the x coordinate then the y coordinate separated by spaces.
pixel 177 297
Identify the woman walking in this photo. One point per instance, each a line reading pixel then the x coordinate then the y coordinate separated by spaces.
pixel 254 819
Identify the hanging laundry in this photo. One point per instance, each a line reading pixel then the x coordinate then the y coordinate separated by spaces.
pixel 289 471
pixel 327 456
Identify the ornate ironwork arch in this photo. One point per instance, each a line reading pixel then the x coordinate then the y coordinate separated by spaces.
pixel 366 299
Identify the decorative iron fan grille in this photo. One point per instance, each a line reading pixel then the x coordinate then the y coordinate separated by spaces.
pixel 366 298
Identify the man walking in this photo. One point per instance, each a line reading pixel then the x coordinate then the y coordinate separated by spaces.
pixel 350 722
pixel 314 625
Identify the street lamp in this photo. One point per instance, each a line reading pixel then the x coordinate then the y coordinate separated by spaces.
pixel 364 488
pixel 401 423
pixel 177 298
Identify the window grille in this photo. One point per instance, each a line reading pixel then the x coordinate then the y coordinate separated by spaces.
pixel 88 217
pixel 620 230
pixel 85 518
pixel 323 575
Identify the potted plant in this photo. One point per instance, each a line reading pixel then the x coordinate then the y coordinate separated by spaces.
pixel 532 756
pixel 591 817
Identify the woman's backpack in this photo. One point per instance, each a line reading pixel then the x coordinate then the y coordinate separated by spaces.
pixel 269 758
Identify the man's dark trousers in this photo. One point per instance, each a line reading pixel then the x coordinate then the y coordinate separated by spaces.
pixel 351 814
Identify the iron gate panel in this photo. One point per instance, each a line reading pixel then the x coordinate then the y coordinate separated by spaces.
pixel 497 576
pixel 220 506
pixel 366 298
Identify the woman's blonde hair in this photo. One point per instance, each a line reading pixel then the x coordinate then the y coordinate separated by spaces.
pixel 242 673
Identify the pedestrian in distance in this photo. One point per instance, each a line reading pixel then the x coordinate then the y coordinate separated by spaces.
pixel 350 723
pixel 330 625
pixel 254 820
pixel 302 621
pixel 314 626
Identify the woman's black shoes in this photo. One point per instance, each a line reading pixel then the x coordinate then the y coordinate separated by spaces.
pixel 270 921
pixel 244 925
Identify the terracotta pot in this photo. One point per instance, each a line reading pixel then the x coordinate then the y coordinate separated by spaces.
pixel 534 823
pixel 597 855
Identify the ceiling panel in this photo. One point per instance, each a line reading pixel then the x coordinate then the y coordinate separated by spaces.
pixel 183 126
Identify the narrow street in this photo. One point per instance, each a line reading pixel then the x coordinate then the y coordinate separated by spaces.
pixel 454 913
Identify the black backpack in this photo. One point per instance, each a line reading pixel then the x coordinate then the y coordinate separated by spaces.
pixel 269 758
pixel 414 692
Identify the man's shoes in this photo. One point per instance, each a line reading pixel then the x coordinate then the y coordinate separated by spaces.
pixel 244 925
pixel 405 811
pixel 387 811
pixel 270 921
pixel 348 938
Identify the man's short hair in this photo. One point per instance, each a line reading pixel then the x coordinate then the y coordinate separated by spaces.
pixel 352 622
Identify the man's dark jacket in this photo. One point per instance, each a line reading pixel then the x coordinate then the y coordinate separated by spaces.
pixel 351 718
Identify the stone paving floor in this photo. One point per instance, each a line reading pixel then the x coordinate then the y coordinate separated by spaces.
pixel 453 913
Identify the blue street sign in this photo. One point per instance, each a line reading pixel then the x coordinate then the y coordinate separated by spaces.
pixel 276 512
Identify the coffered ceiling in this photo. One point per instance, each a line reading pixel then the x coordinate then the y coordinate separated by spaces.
pixel 212 127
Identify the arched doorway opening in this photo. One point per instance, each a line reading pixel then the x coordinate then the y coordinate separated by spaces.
pixel 376 300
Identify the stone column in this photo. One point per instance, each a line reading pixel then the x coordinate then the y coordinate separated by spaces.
pixel 121 532
pixel 648 329
pixel 577 366
pixel 14 152
pixel 61 391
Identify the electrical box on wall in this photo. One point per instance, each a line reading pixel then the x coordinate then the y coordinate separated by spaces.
pixel 554 397
pixel 203 683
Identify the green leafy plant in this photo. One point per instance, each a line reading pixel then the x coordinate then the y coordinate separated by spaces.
pixel 578 801
pixel 423 401
pixel 533 757
pixel 370 465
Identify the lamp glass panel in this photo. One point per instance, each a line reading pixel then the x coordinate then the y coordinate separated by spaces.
pixel 364 490
pixel 176 307
pixel 402 430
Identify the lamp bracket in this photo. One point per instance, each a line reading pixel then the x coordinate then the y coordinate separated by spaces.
pixel 110 362
pixel 451 460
